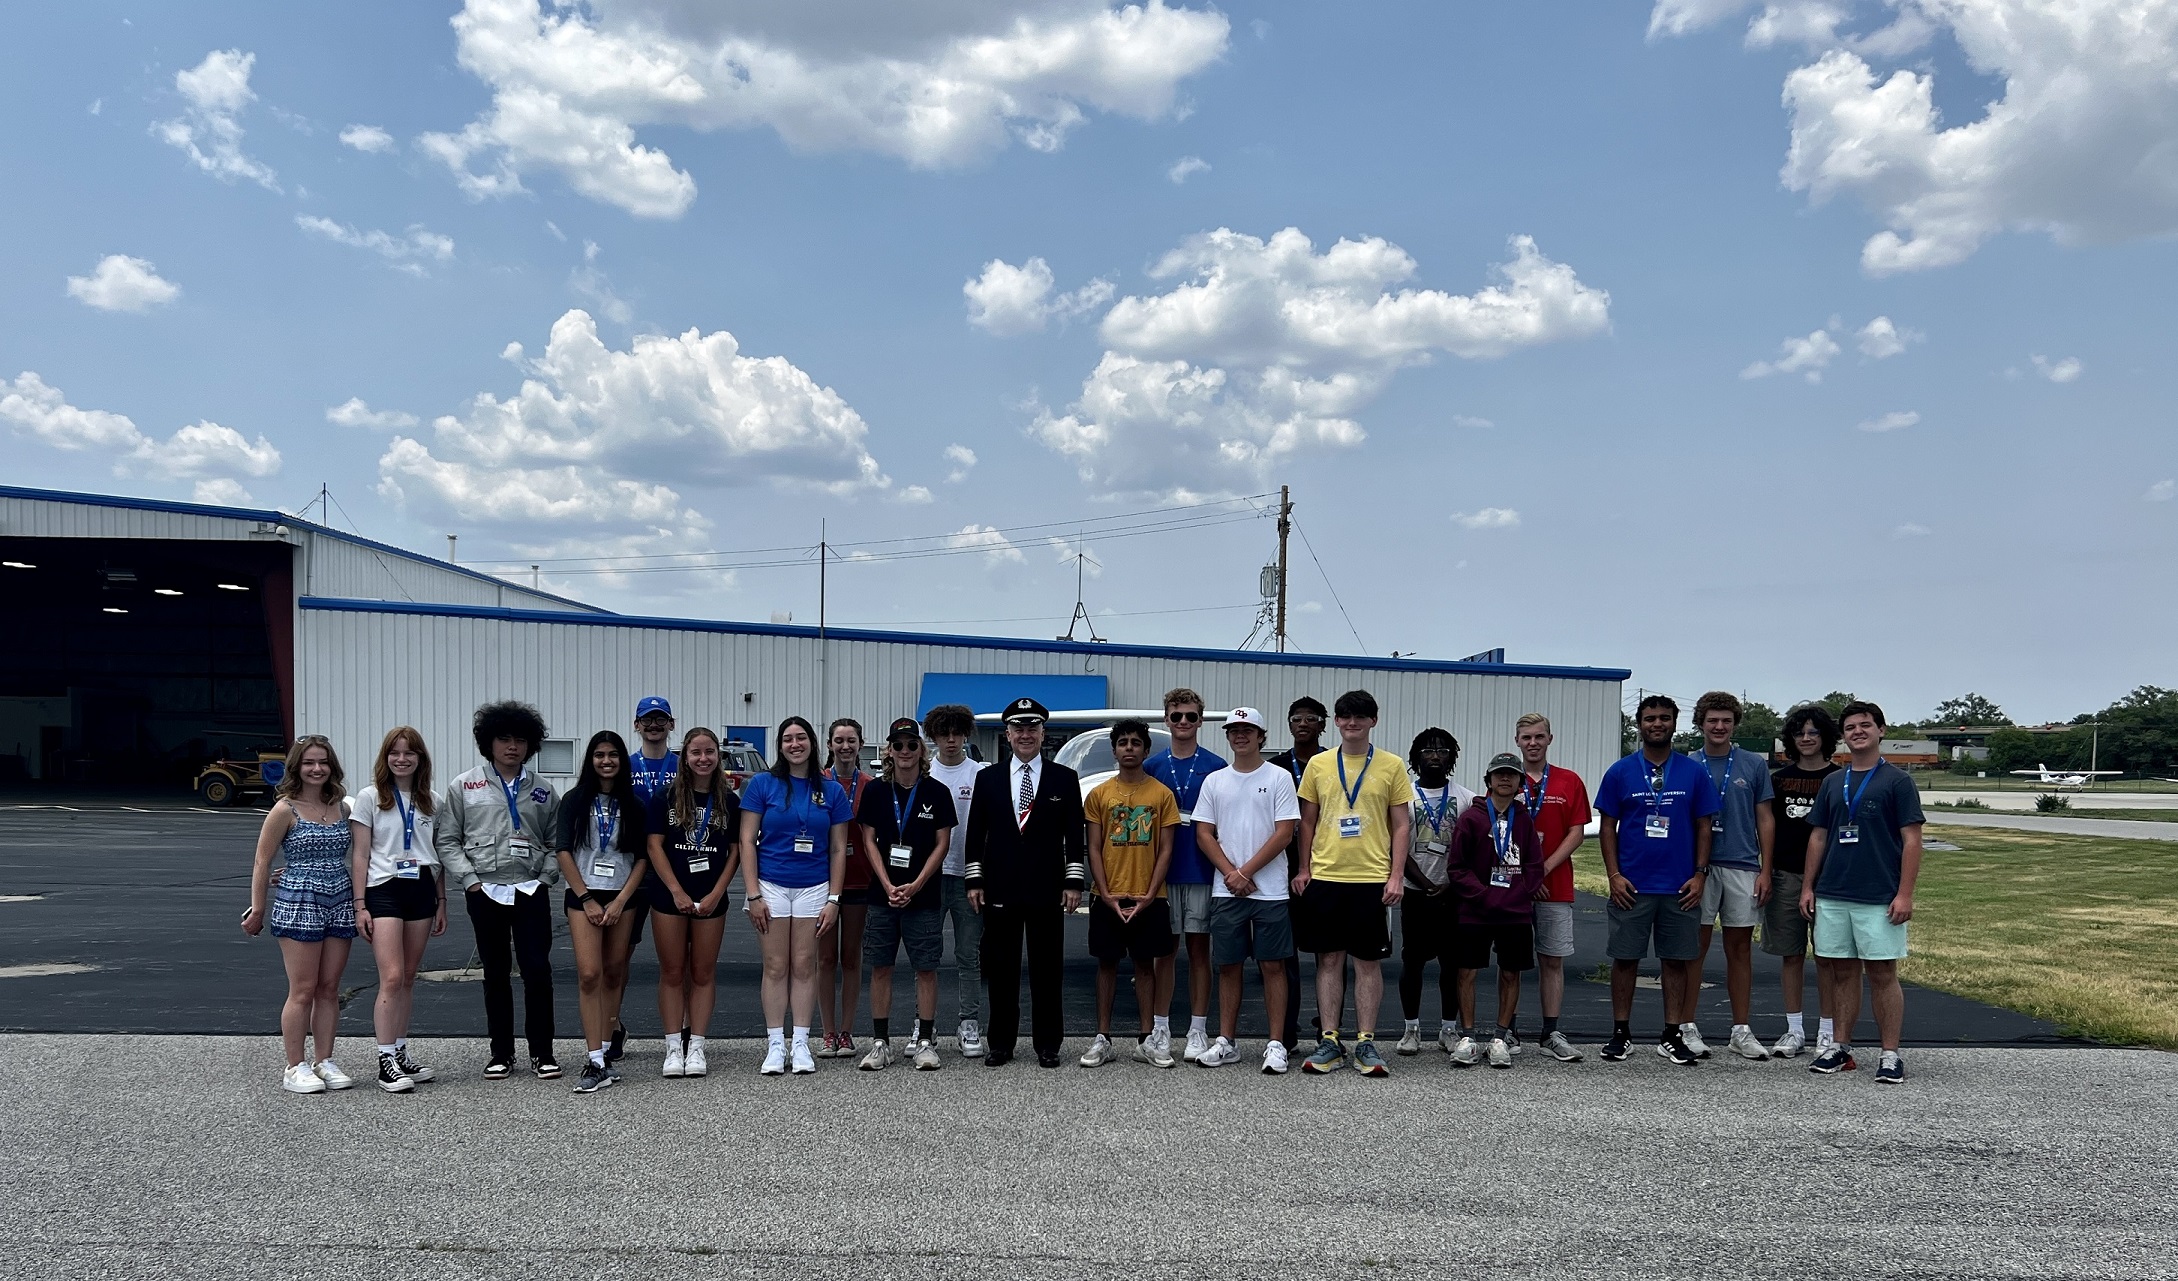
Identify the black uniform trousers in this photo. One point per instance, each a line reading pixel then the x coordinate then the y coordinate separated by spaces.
pixel 1005 928
pixel 507 937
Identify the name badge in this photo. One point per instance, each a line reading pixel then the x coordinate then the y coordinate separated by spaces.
pixel 1849 834
pixel 805 845
pixel 1501 877
pixel 1433 847
pixel 900 855
pixel 1187 818
pixel 1716 824
pixel 519 847
pixel 700 864
pixel 1657 827
pixel 1349 826
pixel 603 871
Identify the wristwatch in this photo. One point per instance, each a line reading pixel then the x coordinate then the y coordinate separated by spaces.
pixel 832 899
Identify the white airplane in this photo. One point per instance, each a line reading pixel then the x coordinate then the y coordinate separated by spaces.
pixel 2065 777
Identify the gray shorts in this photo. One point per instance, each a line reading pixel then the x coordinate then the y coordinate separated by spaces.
pixel 1729 893
pixel 1248 927
pixel 1784 930
pixel 1554 929
pixel 922 929
pixel 1675 930
pixel 1190 906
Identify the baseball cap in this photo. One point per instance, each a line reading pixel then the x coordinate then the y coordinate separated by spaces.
pixel 653 703
pixel 1245 716
pixel 1504 761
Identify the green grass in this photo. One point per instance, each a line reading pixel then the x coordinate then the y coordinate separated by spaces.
pixel 2077 930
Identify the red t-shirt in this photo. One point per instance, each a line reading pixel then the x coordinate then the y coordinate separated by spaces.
pixel 1564 808
pixel 858 863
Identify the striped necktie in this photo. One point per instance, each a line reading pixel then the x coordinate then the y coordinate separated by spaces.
pixel 1028 794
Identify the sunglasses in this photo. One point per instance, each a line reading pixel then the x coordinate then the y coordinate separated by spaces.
pixel 1183 718
pixel 1304 718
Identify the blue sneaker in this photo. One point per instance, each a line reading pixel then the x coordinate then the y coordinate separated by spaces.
pixel 1329 1056
pixel 1838 1058
pixel 1368 1060
pixel 1891 1069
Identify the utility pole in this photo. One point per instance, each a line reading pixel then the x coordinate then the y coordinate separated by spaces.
pixel 535 583
pixel 450 540
pixel 1285 526
pixel 824 646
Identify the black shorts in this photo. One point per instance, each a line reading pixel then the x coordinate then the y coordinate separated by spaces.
pixel 405 900
pixel 1146 939
pixel 1428 926
pixel 1514 943
pixel 634 911
pixel 1344 916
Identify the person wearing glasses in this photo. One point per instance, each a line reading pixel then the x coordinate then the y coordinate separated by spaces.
pixel 403 905
pixel 948 727
pixel 907 823
pixel 651 767
pixel 312 910
pixel 1182 767
pixel 694 826
pixel 604 850
pixel 793 860
pixel 1305 719
pixel 1429 913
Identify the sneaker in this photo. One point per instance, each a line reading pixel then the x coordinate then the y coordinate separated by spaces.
pixel 1154 1050
pixel 1162 1039
pixel 1100 1052
pixel 1368 1060
pixel 1618 1047
pixel 410 1068
pixel 1448 1036
pixel 971 1039
pixel 880 1056
pixel 693 1062
pixel 926 1056
pixel 546 1069
pixel 1465 1053
pixel 330 1073
pixel 1512 1040
pixel 676 1059
pixel 1675 1051
pixel 1789 1045
pixel 391 1078
pixel 1691 1037
pixel 498 1070
pixel 299 1079
pixel 1556 1046
pixel 802 1063
pixel 1838 1058
pixel 1823 1042
pixel 1274 1059
pixel 1745 1045
pixel 617 1048
pixel 594 1078
pixel 1220 1053
pixel 1198 1044
pixel 1410 1042
pixel 1501 1055
pixel 1891 1069
pixel 1329 1056
pixel 775 1060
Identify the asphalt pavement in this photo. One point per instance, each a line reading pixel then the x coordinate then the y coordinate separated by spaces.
pixel 2122 829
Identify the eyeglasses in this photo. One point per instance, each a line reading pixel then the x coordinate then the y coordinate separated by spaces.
pixel 1183 718
pixel 1304 718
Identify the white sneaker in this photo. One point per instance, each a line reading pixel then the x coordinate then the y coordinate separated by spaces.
pixel 1745 1045
pixel 1198 1044
pixel 926 1056
pixel 1410 1041
pixel 971 1039
pixel 693 1062
pixel 299 1079
pixel 1692 1035
pixel 880 1056
pixel 1558 1047
pixel 1448 1036
pixel 1824 1043
pixel 1501 1055
pixel 775 1060
pixel 803 1063
pixel 1162 1039
pixel 1148 1050
pixel 1100 1052
pixel 1466 1053
pixel 330 1073
pixel 1274 1059
pixel 676 1060
pixel 1220 1053
pixel 1789 1045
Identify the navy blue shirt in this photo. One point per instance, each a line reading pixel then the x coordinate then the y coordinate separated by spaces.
pixel 1656 864
pixel 1865 870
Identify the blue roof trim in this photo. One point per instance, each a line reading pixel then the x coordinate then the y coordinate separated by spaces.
pixel 965 642
pixel 989 692
pixel 278 518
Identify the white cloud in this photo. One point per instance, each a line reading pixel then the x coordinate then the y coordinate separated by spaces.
pixel 2059 371
pixel 200 450
pixel 963 460
pixel 214 92
pixel 2077 144
pixel 1186 167
pixel 1807 357
pixel 407 252
pixel 1469 420
pixel 914 494
pixel 997 549
pixel 354 412
pixel 1487 518
pixel 1309 607
pixel 2161 491
pixel 590 281
pixel 1007 300
pixel 122 283
pixel 224 491
pixel 1896 420
pixel 366 138
pixel 1879 339
pixel 1910 530
pixel 1266 349
pixel 938 86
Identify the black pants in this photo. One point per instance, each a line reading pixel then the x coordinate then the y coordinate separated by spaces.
pixel 505 937
pixel 1044 930
pixel 1427 930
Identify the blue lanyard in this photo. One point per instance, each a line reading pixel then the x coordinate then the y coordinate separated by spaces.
pixel 607 817
pixel 408 822
pixel 1534 793
pixel 1354 793
pixel 807 807
pixel 1501 829
pixel 899 815
pixel 703 828
pixel 1662 775
pixel 1724 788
pixel 513 791
pixel 1435 816
pixel 1852 798
pixel 1194 762
pixel 650 777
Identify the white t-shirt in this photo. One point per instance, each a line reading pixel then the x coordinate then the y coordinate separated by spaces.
pixel 1431 845
pixel 961 779
pixel 1247 808
pixel 386 829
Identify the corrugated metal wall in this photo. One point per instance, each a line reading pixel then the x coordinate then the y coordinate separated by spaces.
pixel 362 672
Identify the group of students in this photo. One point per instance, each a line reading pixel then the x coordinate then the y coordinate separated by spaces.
pixel 1253 857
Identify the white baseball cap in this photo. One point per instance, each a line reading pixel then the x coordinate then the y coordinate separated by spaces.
pixel 1245 716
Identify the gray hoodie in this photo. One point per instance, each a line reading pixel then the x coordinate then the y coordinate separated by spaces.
pixel 474 833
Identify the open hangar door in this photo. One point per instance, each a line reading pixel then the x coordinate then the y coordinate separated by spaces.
pixel 131 663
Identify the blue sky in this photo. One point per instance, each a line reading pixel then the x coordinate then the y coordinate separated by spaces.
pixel 1837 356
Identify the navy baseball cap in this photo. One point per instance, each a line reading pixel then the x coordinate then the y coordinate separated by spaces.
pixel 653 703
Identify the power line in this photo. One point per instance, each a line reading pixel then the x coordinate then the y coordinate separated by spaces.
pixel 1327 583
pixel 1038 618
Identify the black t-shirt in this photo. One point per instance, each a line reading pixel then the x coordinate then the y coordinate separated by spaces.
pixel 697 863
pixel 929 809
pixel 1792 796
pixel 1285 761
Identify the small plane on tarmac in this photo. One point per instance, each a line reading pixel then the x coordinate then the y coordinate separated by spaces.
pixel 2064 777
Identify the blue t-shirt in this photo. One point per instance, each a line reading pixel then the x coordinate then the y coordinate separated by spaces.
pixel 1865 870
pixel 1743 780
pixel 1656 864
pixel 1184 777
pixel 785 811
pixel 652 779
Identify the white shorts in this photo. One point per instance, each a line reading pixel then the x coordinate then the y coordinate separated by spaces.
pixel 806 903
pixel 1730 893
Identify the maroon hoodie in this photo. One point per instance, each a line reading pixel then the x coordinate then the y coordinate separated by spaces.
pixel 1472 859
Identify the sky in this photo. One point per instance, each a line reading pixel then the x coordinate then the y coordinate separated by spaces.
pixel 1775 347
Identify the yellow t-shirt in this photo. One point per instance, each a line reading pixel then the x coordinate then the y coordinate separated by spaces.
pixel 1345 852
pixel 1130 815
